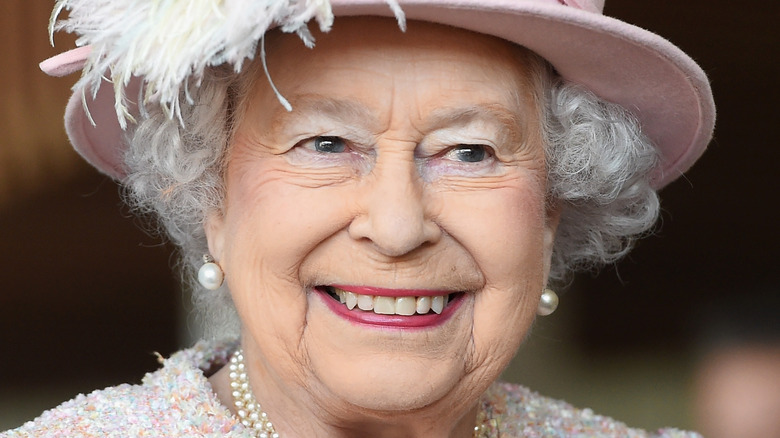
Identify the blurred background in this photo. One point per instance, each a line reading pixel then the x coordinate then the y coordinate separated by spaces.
pixel 685 332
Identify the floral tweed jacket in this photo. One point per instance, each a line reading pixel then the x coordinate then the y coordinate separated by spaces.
pixel 177 401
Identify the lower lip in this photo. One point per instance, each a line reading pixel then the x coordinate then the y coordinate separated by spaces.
pixel 363 317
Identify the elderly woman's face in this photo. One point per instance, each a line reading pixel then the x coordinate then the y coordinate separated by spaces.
pixel 410 172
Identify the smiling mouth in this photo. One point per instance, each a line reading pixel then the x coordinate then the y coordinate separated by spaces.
pixel 384 305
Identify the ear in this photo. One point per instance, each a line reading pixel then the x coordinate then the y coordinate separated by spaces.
pixel 551 226
pixel 214 227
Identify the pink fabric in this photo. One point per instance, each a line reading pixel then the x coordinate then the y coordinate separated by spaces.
pixel 100 143
pixel 622 63
pixel 585 5
pixel 66 63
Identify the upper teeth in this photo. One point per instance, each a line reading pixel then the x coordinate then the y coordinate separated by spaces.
pixel 392 305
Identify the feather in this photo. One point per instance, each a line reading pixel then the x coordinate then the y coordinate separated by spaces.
pixel 171 42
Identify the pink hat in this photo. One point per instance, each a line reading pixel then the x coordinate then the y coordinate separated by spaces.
pixel 666 90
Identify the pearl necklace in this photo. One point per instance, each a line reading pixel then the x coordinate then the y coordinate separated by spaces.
pixel 252 416
pixel 247 408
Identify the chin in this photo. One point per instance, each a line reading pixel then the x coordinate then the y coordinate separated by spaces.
pixel 404 385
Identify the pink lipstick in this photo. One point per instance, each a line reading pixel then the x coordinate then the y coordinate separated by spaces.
pixel 376 305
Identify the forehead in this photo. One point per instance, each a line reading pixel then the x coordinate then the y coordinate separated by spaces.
pixel 366 59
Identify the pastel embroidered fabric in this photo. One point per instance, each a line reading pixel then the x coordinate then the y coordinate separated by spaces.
pixel 177 401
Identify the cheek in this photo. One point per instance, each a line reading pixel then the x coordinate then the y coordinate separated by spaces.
pixel 281 213
pixel 503 229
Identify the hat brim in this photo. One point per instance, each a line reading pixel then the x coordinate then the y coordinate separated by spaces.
pixel 621 63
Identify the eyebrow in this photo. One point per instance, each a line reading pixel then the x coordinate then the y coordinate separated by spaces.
pixel 512 125
pixel 340 110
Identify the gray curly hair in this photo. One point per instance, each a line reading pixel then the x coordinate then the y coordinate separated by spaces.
pixel 598 165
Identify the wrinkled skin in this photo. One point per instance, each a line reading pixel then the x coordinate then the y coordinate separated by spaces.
pixel 436 181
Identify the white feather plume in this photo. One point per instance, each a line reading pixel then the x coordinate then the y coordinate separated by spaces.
pixel 170 42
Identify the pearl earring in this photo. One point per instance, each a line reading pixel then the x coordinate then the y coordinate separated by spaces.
pixel 210 275
pixel 547 303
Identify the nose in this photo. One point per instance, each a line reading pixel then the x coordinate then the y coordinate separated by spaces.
pixel 393 214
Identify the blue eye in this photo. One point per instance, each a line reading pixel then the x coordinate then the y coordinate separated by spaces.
pixel 468 153
pixel 330 145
